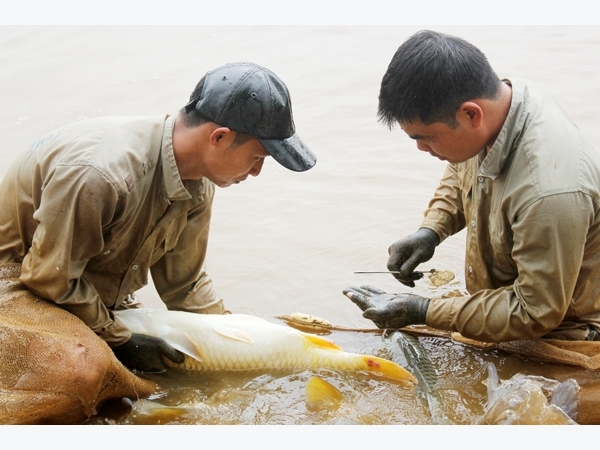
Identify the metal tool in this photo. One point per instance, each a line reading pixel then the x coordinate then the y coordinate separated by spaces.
pixel 422 272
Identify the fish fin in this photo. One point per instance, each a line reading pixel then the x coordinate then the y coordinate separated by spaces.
pixel 141 320
pixel 180 340
pixel 233 333
pixel 389 370
pixel 322 342
pixel 565 397
pixel 319 392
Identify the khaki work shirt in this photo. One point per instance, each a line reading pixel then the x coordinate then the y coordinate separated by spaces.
pixel 531 207
pixel 90 209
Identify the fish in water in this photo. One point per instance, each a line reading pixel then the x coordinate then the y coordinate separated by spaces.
pixel 245 343
pixel 530 400
pixel 422 367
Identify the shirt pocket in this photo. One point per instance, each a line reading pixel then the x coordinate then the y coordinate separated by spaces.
pixel 166 243
pixel 504 268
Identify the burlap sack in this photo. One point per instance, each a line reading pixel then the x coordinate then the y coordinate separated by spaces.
pixel 53 368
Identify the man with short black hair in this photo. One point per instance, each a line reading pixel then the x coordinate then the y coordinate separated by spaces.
pixel 523 181
pixel 92 207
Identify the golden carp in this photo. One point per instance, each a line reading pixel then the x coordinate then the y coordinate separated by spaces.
pixel 245 343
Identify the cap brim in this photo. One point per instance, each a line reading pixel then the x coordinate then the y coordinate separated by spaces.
pixel 291 153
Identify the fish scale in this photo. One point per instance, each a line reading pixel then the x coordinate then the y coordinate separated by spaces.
pixel 243 343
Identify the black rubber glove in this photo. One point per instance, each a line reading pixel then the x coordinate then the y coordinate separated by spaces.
pixel 407 253
pixel 142 353
pixel 389 311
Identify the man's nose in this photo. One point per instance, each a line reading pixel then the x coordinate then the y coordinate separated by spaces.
pixel 423 147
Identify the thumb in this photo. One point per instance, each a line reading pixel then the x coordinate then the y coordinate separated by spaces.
pixel 372 314
pixel 170 353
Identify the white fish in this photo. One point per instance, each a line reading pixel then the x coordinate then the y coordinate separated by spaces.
pixel 523 400
pixel 243 343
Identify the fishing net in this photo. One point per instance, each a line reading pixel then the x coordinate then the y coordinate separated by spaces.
pixel 577 360
pixel 53 368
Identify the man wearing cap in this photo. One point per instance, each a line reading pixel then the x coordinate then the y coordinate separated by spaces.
pixel 91 208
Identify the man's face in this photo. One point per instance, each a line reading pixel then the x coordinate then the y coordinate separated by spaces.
pixel 454 145
pixel 234 164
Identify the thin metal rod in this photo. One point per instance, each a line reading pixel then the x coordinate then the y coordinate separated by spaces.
pixel 395 271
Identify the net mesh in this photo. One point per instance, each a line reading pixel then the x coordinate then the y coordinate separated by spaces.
pixel 577 360
pixel 53 368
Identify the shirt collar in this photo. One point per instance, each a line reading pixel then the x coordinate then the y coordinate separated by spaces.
pixel 510 133
pixel 174 187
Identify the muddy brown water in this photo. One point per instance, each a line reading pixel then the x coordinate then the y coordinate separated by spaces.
pixel 286 242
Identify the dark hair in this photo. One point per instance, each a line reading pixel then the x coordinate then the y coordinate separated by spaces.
pixel 430 76
pixel 194 119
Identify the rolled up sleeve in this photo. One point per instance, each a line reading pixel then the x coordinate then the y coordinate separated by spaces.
pixel 445 213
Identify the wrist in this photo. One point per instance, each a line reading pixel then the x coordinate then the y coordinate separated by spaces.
pixel 421 311
pixel 431 235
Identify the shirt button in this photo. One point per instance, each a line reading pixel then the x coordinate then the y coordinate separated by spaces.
pixel 470 269
pixel 480 179
pixel 135 267
pixel 107 252
pixel 473 223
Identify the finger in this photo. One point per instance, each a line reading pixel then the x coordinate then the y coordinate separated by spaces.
pixel 409 266
pixel 373 289
pixel 374 314
pixel 360 300
pixel 403 275
pixel 406 282
pixel 170 353
pixel 359 290
pixel 416 276
pixel 178 357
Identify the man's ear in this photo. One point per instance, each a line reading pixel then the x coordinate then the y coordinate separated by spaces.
pixel 472 112
pixel 218 135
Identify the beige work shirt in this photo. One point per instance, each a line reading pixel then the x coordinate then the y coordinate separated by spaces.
pixel 90 209
pixel 531 207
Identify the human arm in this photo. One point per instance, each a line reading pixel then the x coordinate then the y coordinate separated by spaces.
pixel 443 218
pixel 180 275
pixel 445 211
pixel 545 245
pixel 72 205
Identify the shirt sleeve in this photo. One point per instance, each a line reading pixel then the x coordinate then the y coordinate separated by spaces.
pixel 445 213
pixel 180 276
pixel 548 245
pixel 76 202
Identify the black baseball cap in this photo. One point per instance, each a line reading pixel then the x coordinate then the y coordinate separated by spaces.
pixel 251 99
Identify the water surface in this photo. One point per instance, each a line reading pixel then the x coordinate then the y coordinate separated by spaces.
pixel 286 242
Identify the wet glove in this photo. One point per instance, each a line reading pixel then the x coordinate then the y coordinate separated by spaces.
pixel 143 353
pixel 407 253
pixel 389 311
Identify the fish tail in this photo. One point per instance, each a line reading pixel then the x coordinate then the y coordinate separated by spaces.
pixel 388 370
